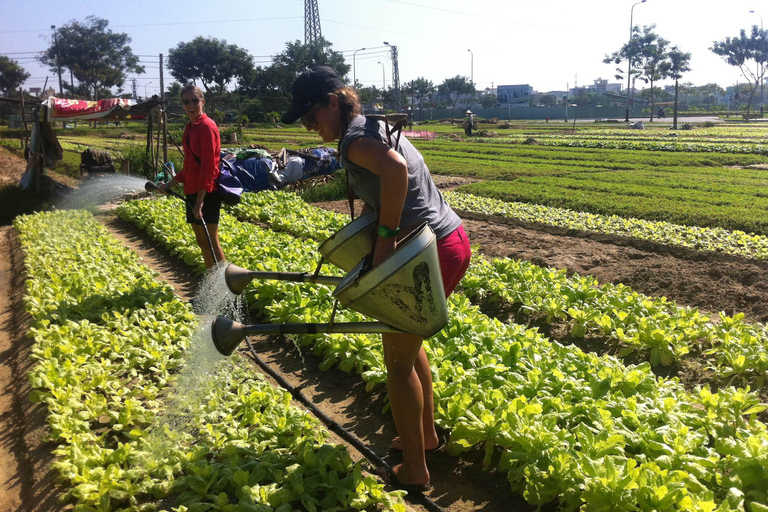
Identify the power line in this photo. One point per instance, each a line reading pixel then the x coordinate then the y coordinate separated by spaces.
pixel 367 28
pixel 495 18
pixel 241 20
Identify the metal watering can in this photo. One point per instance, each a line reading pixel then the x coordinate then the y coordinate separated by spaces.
pixel 404 293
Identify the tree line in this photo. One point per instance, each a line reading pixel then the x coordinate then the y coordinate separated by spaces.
pixel 100 61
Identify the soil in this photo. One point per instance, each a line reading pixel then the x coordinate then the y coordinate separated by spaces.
pixel 711 282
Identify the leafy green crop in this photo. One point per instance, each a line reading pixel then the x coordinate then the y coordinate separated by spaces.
pixel 110 341
pixel 692 237
pixel 568 427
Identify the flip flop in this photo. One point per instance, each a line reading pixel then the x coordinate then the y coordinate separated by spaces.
pixel 438 448
pixel 390 478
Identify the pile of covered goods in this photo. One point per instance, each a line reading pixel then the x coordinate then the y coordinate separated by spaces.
pixel 259 169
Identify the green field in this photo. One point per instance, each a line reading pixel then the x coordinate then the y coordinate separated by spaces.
pixel 708 177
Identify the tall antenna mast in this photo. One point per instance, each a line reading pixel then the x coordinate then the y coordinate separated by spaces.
pixel 311 22
pixel 396 78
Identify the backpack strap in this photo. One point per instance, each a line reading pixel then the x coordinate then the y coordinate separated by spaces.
pixel 186 139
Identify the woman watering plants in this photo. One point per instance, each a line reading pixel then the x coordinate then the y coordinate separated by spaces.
pixel 397 186
pixel 202 147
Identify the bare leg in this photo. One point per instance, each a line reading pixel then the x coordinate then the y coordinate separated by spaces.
pixel 406 396
pixel 202 242
pixel 424 372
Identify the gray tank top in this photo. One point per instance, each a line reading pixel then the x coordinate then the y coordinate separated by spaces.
pixel 423 202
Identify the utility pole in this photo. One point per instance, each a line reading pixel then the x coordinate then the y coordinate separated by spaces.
pixel 629 57
pixel 58 65
pixel 311 22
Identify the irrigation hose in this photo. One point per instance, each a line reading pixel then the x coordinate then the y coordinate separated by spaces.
pixel 210 243
pixel 418 498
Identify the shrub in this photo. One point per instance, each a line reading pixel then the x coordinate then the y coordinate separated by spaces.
pixel 272 117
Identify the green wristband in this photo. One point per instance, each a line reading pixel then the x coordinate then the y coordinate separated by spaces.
pixel 385 232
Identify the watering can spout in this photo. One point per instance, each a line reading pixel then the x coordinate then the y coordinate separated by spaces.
pixel 237 278
pixel 227 335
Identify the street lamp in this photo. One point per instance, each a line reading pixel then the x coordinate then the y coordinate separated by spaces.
pixel 58 66
pixel 472 68
pixel 629 56
pixel 762 78
pixel 354 74
pixel 145 89
pixel 382 75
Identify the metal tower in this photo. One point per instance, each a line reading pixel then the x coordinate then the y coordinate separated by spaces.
pixel 311 22
pixel 395 78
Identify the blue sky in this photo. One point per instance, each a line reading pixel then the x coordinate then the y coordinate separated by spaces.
pixel 548 44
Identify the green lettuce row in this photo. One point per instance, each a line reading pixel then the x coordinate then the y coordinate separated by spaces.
pixel 714 135
pixel 108 340
pixel 691 237
pixel 667 332
pixel 584 431
pixel 755 149
pixel 633 320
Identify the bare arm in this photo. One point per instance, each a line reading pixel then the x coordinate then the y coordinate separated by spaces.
pixel 392 170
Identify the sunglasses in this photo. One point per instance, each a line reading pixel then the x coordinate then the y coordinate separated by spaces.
pixel 309 120
pixel 194 101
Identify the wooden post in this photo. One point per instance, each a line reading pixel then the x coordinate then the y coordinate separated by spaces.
pixel 150 128
pixel 159 127
pixel 164 116
pixel 674 120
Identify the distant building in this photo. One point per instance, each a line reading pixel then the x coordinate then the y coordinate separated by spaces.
pixel 514 95
pixel 600 86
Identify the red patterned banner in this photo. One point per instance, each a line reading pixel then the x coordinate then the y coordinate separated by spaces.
pixel 59 108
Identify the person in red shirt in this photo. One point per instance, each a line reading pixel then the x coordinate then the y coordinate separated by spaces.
pixel 202 147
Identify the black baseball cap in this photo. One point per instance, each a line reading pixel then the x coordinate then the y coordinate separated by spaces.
pixel 309 88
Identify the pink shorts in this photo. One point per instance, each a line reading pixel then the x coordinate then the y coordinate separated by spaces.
pixel 454 254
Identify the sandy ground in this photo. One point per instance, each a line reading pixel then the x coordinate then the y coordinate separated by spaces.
pixel 708 281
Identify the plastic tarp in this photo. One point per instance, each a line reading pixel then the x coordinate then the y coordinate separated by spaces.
pixel 258 173
pixel 83 110
pixel 253 173
pixel 327 163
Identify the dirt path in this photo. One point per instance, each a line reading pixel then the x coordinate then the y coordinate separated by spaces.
pixel 26 480
pixel 709 281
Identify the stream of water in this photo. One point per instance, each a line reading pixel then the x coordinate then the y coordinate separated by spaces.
pixel 99 190
pixel 203 364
